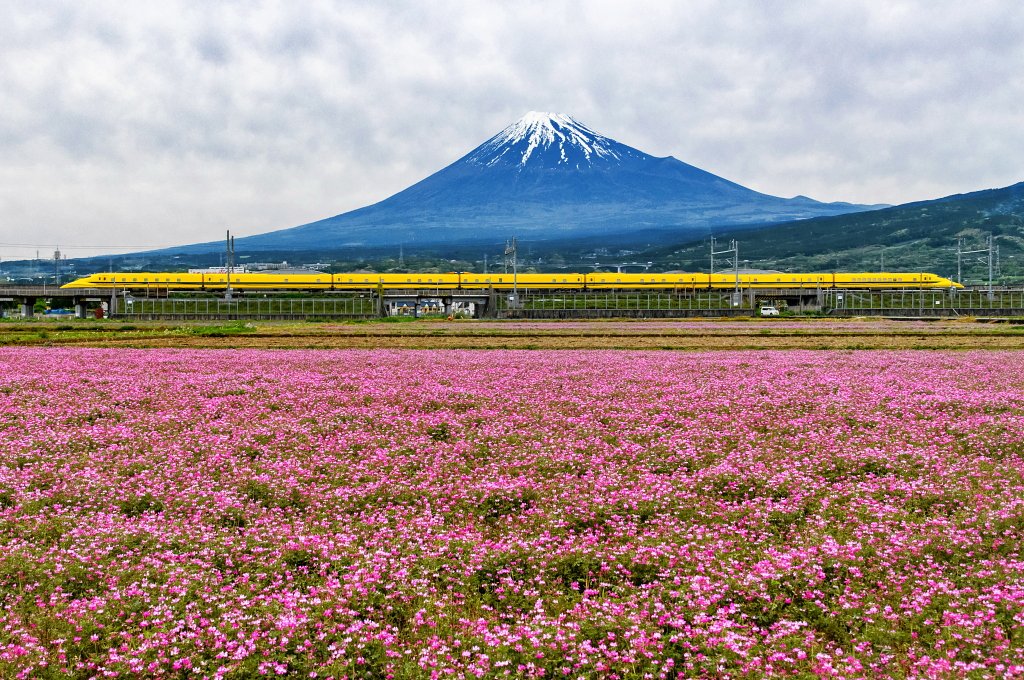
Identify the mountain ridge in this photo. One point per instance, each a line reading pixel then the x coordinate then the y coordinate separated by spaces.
pixel 920 235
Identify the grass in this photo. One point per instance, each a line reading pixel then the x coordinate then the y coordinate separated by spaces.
pixel 220 331
pixel 409 333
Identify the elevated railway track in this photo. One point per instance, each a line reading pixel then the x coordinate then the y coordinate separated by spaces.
pixel 170 304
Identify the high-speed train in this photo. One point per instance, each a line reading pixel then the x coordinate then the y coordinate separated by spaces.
pixel 247 281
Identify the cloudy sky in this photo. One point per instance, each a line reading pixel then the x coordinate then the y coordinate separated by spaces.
pixel 132 125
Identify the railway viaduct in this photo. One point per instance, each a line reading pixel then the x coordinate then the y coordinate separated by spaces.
pixel 532 304
pixel 81 299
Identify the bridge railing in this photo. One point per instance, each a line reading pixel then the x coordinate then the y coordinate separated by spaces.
pixel 184 308
pixel 938 299
pixel 623 300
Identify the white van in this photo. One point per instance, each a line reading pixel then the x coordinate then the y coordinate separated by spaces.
pixel 769 310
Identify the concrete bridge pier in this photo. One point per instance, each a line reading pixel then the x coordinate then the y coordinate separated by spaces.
pixel 28 307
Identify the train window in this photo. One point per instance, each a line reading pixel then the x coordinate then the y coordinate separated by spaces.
pixel 179 280
pixel 135 279
pixel 286 280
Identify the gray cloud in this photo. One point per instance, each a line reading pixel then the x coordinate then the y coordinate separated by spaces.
pixel 135 124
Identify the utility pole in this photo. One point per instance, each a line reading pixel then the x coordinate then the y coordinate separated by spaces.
pixel 511 251
pixel 734 248
pixel 485 263
pixel 959 258
pixel 990 249
pixel 56 267
pixel 881 264
pixel 229 263
pixel 990 295
pixel 736 271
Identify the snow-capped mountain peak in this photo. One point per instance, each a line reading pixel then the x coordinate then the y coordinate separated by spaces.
pixel 549 177
pixel 548 140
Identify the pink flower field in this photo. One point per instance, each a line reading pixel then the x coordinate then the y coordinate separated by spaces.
pixel 435 514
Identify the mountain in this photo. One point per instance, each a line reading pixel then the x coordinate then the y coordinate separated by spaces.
pixel 546 176
pixel 912 237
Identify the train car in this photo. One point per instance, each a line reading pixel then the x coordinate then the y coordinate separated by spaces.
pixel 140 281
pixel 413 280
pixel 894 280
pixel 557 280
pixel 646 280
pixel 355 281
pixel 780 280
pixel 697 281
pixel 473 281
pixel 260 281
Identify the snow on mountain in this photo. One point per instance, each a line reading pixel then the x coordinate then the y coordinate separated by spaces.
pixel 556 138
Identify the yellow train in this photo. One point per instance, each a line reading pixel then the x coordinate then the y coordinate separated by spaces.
pixel 175 281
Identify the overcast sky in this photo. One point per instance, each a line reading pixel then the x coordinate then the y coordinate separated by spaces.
pixel 130 125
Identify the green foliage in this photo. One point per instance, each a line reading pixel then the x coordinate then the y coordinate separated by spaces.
pixel 258 492
pixel 222 330
pixel 735 489
pixel 298 559
pixel 502 503
pixel 575 568
pixel 930 505
pixel 643 573
pixel 440 433
pixel 233 518
pixel 134 507
pixel 261 493
pixel 487 582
